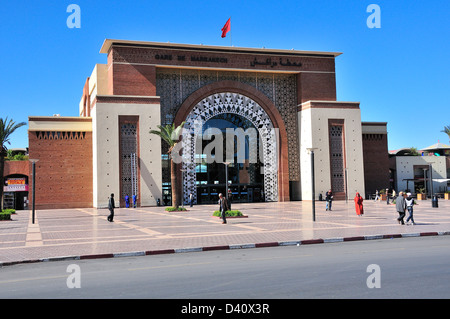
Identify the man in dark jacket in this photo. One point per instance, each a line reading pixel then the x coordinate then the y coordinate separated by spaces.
pixel 111 208
pixel 400 204
pixel 223 206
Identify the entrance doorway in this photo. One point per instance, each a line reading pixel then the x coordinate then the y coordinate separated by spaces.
pixel 204 171
pixel 245 177
pixel 15 194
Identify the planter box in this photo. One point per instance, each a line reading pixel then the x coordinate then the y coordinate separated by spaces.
pixel 447 196
pixel 5 216
pixel 383 197
pixel 421 196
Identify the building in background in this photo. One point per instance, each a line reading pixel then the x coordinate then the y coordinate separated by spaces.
pixel 422 171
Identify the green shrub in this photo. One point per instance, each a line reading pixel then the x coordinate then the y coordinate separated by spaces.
pixel 9 210
pixel 228 213
pixel 5 215
pixel 175 209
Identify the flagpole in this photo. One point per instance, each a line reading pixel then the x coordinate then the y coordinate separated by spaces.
pixel 231 34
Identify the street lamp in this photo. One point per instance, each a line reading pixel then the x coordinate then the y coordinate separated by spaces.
pixel 431 180
pixel 425 180
pixel 182 187
pixel 33 164
pixel 226 180
pixel 346 185
pixel 311 151
pixel 434 202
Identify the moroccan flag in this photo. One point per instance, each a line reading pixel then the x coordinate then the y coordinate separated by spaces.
pixel 226 28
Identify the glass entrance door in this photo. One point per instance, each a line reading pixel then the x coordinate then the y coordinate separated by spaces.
pixel 245 177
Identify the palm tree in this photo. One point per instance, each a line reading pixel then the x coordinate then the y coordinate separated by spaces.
pixel 170 134
pixel 6 129
pixel 446 130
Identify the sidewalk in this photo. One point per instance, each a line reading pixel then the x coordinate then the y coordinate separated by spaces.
pixel 85 233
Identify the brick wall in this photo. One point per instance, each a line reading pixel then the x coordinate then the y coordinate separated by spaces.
pixel 316 86
pixel 132 71
pixel 17 167
pixel 128 79
pixel 376 162
pixel 64 169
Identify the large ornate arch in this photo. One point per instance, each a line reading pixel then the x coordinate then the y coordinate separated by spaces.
pixel 235 103
pixel 245 100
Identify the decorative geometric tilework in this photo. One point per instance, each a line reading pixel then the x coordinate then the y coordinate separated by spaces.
pixel 222 103
pixel 337 159
pixel 128 140
pixel 175 85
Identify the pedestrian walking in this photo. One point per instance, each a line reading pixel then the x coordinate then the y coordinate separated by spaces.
pixel 359 205
pixel 223 207
pixel 409 206
pixel 377 195
pixel 229 199
pixel 400 205
pixel 329 199
pixel 111 208
pixel 127 201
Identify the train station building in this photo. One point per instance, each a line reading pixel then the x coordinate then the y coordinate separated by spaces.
pixel 283 101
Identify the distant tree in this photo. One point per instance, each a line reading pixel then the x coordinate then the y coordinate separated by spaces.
pixel 413 152
pixel 6 129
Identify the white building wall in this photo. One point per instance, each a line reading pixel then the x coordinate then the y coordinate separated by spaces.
pixel 313 132
pixel 405 170
pixel 106 169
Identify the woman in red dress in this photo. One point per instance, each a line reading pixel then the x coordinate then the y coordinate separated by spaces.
pixel 359 205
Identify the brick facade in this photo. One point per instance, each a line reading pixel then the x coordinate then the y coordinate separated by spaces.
pixel 376 161
pixel 17 168
pixel 133 80
pixel 132 68
pixel 64 169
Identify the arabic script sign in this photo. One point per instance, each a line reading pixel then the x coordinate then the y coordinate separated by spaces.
pixel 272 63
pixel 269 62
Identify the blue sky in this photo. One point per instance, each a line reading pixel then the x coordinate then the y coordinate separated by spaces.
pixel 400 73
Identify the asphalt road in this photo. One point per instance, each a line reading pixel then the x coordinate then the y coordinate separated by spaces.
pixel 395 268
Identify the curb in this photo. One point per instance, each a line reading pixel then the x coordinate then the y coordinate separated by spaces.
pixel 226 247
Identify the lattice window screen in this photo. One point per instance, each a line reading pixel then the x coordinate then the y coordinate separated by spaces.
pixel 337 158
pixel 128 140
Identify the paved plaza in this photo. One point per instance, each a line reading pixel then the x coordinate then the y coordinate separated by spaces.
pixel 85 233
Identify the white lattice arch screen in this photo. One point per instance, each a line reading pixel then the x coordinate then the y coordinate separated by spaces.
pixel 239 104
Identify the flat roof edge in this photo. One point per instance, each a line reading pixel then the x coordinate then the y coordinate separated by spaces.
pixel 108 43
